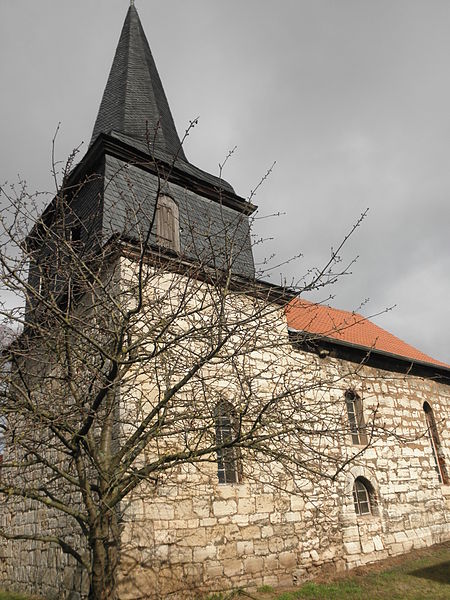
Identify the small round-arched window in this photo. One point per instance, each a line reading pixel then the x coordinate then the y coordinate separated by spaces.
pixel 364 497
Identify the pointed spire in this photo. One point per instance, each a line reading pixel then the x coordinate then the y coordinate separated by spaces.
pixel 134 101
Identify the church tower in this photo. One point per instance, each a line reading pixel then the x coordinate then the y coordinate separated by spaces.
pixel 135 182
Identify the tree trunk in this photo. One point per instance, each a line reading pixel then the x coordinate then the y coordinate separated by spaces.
pixel 104 544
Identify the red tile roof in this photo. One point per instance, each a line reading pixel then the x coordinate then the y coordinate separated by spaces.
pixel 351 328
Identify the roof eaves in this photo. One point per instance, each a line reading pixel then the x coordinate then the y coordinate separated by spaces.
pixel 370 350
pixel 138 158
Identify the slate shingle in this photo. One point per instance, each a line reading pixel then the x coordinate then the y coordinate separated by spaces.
pixel 134 95
pixel 210 233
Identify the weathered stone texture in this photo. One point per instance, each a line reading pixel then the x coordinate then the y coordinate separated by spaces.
pixel 190 534
pixel 248 534
pixel 34 566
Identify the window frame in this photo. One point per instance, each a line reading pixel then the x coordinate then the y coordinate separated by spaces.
pixel 364 496
pixel 355 417
pixel 3 427
pixel 229 465
pixel 167 220
pixel 436 447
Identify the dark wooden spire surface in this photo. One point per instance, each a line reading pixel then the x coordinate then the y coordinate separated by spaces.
pixel 134 102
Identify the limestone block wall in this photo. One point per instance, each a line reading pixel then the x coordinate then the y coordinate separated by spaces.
pixel 412 504
pixel 190 534
pixel 196 535
pixel 183 539
pixel 186 533
pixel 36 567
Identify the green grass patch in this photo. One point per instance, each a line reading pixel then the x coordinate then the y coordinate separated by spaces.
pixel 13 596
pixel 330 591
pixel 414 578
pixel 421 575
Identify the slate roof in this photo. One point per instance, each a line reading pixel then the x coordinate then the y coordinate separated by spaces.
pixel 134 93
pixel 351 328
pixel 176 161
pixel 134 107
pixel 210 233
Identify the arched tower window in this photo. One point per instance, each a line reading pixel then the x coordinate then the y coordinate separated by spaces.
pixel 167 223
pixel 364 497
pixel 228 458
pixel 356 418
pixel 438 453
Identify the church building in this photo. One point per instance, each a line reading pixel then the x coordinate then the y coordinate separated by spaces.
pixel 372 413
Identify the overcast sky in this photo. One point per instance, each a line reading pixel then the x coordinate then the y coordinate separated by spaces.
pixel 350 97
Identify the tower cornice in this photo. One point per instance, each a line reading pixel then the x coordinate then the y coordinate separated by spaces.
pixel 218 191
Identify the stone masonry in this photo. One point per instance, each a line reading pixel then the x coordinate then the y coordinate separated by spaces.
pixel 187 534
pixel 201 535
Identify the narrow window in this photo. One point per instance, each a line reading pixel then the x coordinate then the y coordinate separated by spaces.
pixel 228 459
pixel 356 418
pixel 363 496
pixel 167 223
pixel 438 454
pixel 2 436
pixel 74 234
pixel 43 281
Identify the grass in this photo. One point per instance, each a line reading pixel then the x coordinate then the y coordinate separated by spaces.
pixel 419 575
pixel 17 596
pixel 13 596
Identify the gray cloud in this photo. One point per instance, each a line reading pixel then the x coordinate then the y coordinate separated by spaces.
pixel 351 98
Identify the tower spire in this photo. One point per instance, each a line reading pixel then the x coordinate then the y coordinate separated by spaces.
pixel 134 103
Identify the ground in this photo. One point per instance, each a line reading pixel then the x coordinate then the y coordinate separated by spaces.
pixel 419 575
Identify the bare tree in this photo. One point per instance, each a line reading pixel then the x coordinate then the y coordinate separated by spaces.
pixel 135 361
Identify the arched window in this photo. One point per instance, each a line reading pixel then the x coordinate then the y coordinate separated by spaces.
pixel 438 454
pixel 3 432
pixel 5 368
pixel 364 497
pixel 167 223
pixel 228 458
pixel 2 436
pixel 356 418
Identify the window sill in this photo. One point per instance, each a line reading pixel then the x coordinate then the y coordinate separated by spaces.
pixel 368 518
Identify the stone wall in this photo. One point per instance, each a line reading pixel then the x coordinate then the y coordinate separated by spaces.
pixel 186 533
pixel 226 536
pixel 37 567
pixel 413 509
pixel 198 535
